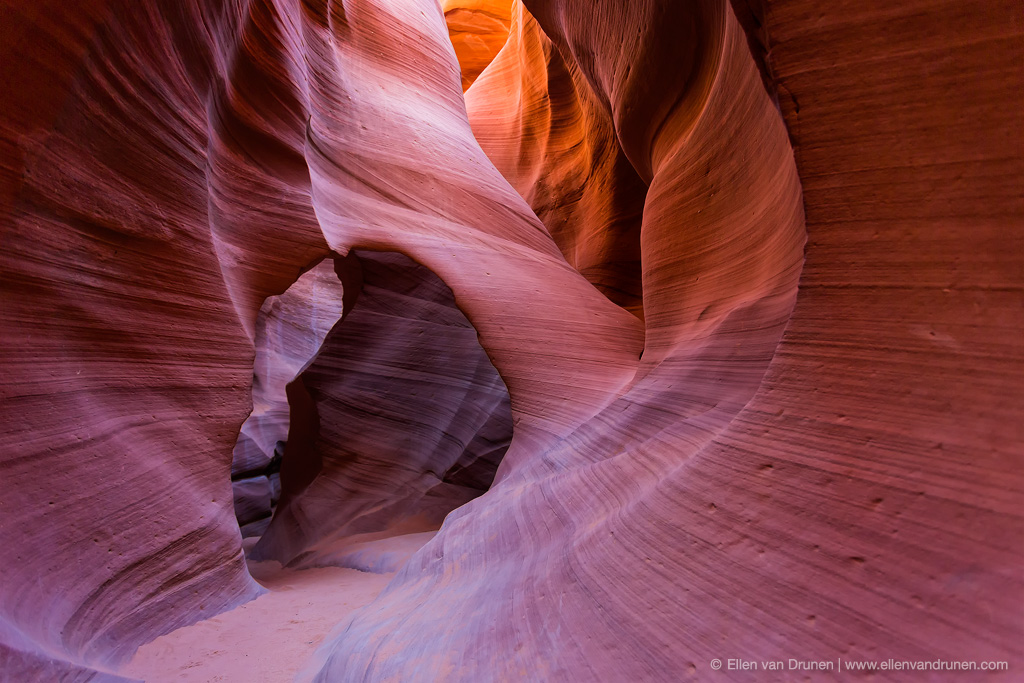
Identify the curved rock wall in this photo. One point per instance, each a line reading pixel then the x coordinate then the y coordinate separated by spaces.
pixel 162 152
pixel 290 329
pixel 144 146
pixel 681 484
pixel 590 540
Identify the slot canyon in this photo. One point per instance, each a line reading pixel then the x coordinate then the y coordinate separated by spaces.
pixel 511 340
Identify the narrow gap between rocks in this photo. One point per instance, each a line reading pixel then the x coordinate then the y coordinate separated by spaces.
pixel 375 414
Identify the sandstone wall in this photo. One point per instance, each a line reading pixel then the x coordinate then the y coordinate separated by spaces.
pixel 752 277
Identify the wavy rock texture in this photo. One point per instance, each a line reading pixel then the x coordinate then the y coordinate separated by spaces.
pixel 681 484
pixel 404 356
pixel 595 536
pixel 154 196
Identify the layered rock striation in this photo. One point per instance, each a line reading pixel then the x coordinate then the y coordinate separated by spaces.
pixel 750 275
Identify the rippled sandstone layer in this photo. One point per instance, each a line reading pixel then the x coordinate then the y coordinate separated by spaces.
pixel 714 453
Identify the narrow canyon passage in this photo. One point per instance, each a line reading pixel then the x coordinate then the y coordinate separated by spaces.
pixel 487 340
pixel 402 419
pixel 289 333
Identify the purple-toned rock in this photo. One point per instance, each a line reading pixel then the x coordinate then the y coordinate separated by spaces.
pixel 252 499
pixel 752 279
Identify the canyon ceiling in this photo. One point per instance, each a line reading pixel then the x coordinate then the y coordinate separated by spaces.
pixel 699 325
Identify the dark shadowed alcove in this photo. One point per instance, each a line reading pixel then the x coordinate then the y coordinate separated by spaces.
pixel 396 419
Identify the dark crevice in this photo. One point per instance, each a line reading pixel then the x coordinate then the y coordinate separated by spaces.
pixel 398 418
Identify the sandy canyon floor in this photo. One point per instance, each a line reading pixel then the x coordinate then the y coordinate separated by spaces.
pixel 267 640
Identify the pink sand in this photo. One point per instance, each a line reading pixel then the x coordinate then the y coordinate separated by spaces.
pixel 267 640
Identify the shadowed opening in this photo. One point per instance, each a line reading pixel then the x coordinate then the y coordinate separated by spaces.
pixel 395 419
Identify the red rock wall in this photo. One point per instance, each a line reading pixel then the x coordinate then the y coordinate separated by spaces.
pixel 852 490
pixel 155 193
pixel 144 146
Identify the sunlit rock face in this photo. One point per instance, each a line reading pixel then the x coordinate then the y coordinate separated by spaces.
pixel 751 278
pixel 478 29
pixel 552 136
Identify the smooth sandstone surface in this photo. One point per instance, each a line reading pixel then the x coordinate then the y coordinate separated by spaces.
pixel 550 134
pixel 751 275
pixel 289 333
pixel 582 532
